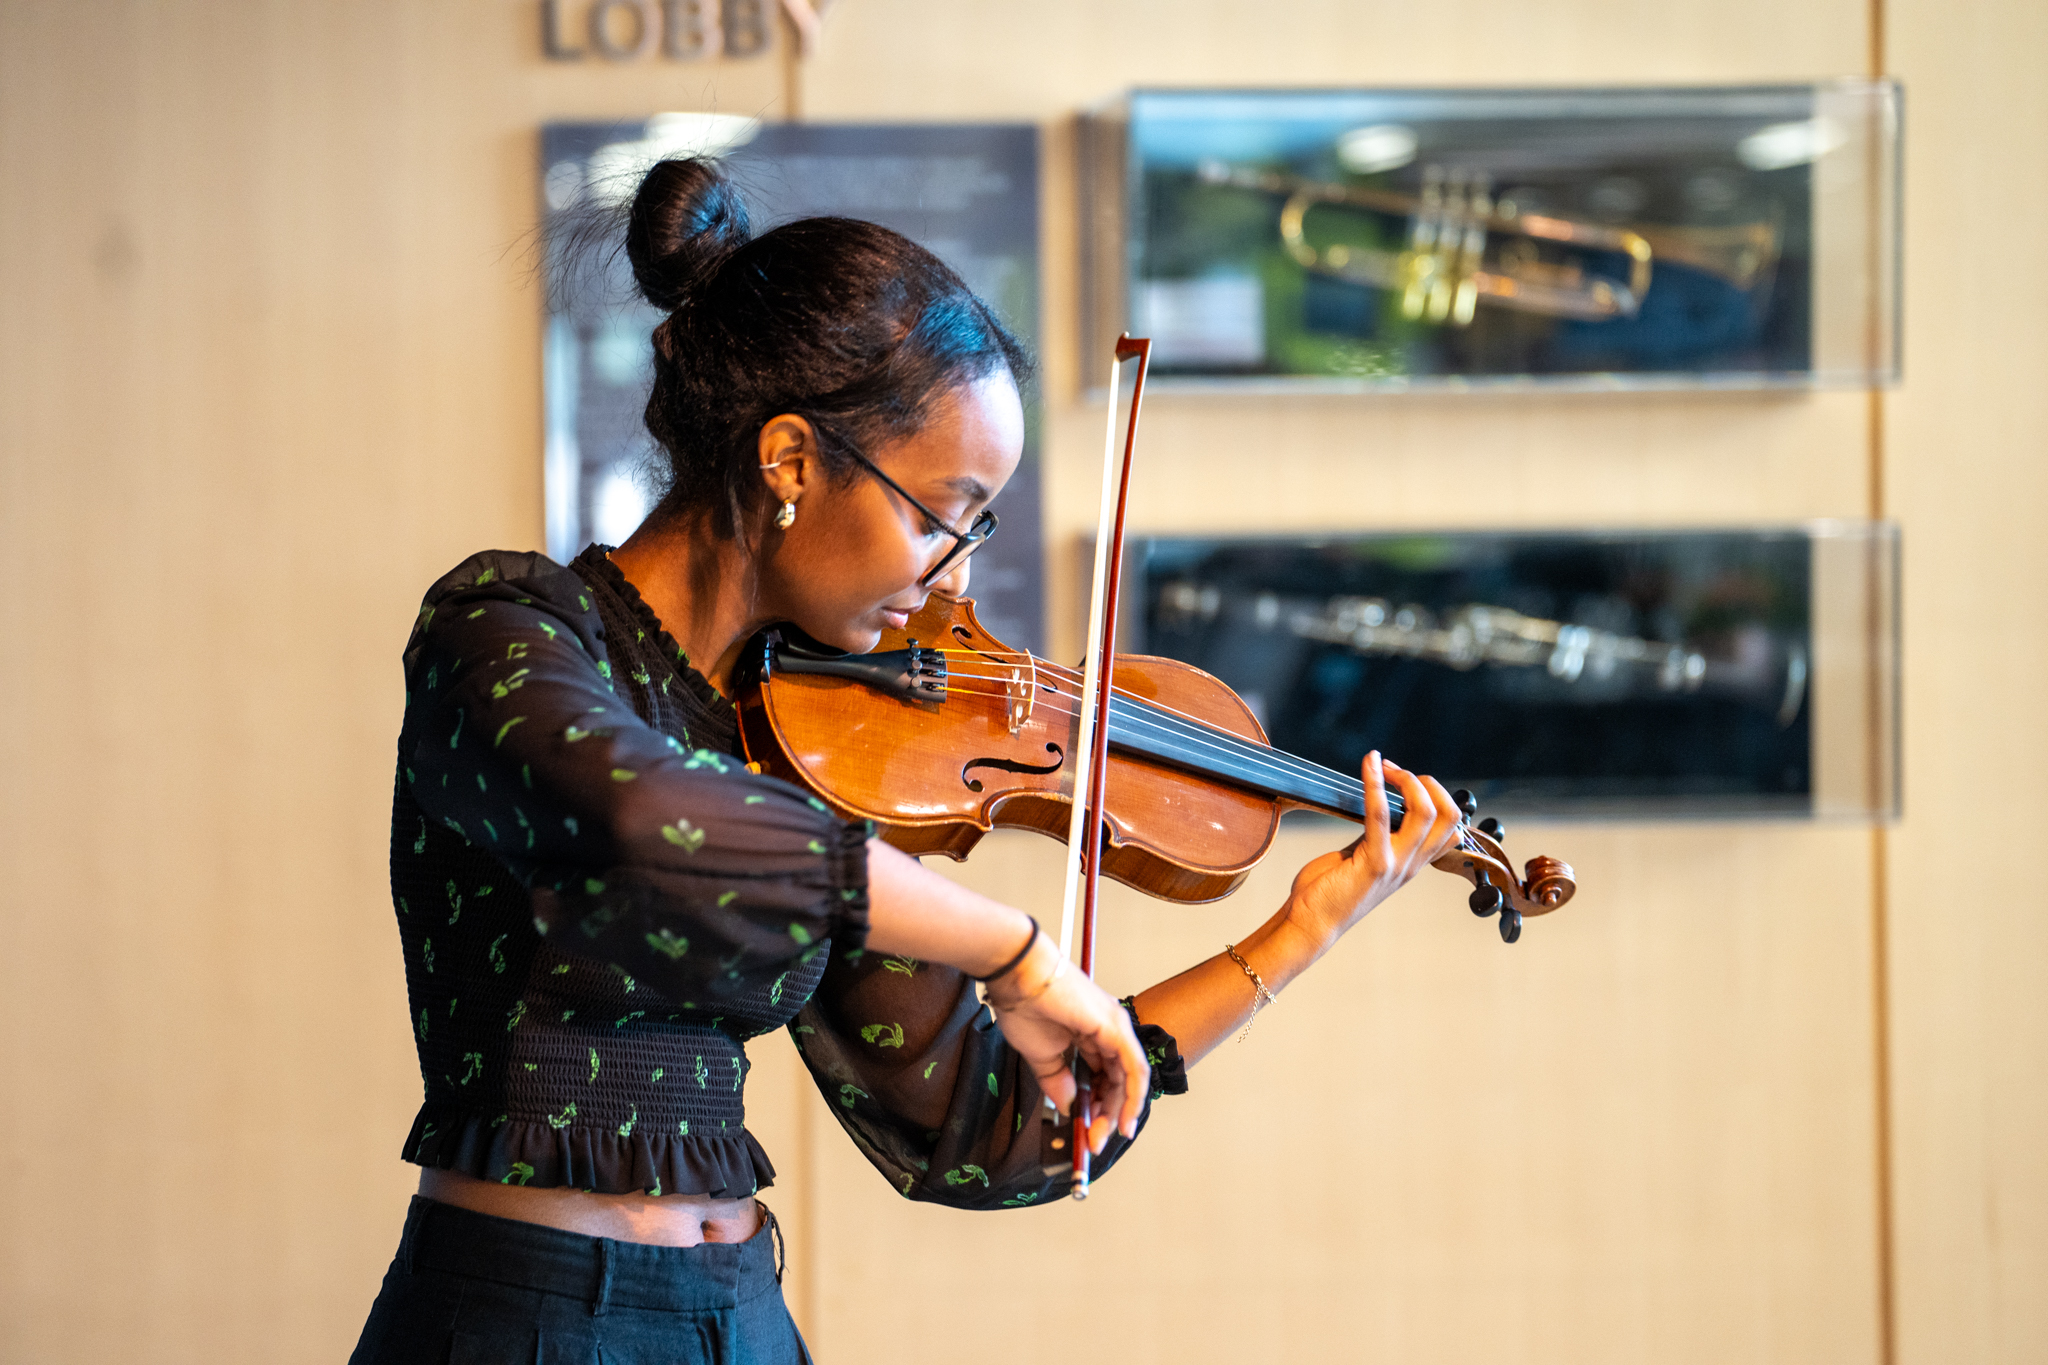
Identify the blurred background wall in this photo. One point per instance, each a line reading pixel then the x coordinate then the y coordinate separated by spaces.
pixel 269 363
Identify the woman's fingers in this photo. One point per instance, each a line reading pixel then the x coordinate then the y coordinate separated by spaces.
pixel 1075 1012
pixel 1444 832
pixel 1055 1080
pixel 1377 841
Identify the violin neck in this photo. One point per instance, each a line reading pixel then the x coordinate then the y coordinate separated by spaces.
pixel 1139 728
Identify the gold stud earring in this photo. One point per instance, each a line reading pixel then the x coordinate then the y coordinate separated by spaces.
pixel 786 518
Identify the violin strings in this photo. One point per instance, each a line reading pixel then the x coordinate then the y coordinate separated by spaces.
pixel 1264 755
pixel 1300 766
pixel 1201 734
pixel 1255 759
pixel 1143 714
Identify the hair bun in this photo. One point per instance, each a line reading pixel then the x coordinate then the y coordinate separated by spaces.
pixel 686 220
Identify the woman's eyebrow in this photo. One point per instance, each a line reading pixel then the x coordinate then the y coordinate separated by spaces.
pixel 973 489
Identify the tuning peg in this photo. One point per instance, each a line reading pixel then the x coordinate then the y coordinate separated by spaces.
pixel 1468 804
pixel 1485 899
pixel 1493 829
pixel 1510 925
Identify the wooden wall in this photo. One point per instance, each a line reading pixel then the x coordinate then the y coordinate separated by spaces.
pixel 269 363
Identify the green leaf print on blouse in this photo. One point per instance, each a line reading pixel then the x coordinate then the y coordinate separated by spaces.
pixel 623 774
pixel 506 729
pixel 703 1073
pixel 563 1119
pixel 454 894
pixel 993 1088
pixel 801 935
pixel 849 1092
pixel 883 1035
pixel 906 966
pixel 669 944
pixel 626 1128
pixel 908 1181
pixel 684 835
pixel 960 1175
pixel 518 1175
pixel 419 845
pixel 496 955
pixel 1018 1201
pixel 473 1067
pixel 593 1064
pixel 514 1015
pixel 511 683
pixel 706 758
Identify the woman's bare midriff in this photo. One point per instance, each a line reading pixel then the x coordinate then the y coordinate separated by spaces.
pixel 668 1220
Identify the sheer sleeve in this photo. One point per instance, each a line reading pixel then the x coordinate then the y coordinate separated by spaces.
pixel 917 1073
pixel 677 864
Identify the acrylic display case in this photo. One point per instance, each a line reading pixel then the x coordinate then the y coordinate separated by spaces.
pixel 968 192
pixel 1576 238
pixel 1655 674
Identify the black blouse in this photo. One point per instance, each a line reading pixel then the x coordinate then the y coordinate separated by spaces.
pixel 599 906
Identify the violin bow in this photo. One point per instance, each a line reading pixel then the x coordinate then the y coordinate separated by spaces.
pixel 1087 834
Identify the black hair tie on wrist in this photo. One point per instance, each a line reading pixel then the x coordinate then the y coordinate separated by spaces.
pixel 1018 960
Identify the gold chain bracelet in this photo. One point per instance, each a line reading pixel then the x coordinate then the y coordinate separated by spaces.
pixel 1261 997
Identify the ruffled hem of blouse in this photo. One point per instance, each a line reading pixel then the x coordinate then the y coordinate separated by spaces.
pixel 597 558
pixel 729 1165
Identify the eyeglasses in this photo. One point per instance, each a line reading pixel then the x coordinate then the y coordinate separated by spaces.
pixel 965 542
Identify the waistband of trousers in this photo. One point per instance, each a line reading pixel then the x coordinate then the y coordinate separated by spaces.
pixel 600 1271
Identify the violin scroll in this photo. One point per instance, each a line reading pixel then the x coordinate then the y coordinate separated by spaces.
pixel 1545 883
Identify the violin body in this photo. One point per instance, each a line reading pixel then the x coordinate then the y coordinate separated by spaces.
pixel 935 776
pixel 944 733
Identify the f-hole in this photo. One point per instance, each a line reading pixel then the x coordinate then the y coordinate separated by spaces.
pixel 1011 766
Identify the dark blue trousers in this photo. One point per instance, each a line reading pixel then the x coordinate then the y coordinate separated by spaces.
pixel 469 1289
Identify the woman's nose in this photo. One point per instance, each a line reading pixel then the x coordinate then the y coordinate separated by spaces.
pixel 954 584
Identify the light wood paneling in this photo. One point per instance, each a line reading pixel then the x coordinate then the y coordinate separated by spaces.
pixel 1965 439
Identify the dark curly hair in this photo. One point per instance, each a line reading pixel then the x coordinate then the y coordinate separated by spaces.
pixel 855 328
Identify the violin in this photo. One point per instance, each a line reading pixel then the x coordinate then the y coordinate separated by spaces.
pixel 944 733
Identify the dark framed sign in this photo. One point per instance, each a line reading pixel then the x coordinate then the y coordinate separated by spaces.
pixel 1650 674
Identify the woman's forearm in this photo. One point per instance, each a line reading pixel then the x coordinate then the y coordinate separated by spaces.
pixel 1211 1000
pixel 914 912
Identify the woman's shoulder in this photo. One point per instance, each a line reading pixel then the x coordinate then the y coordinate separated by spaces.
pixel 527 569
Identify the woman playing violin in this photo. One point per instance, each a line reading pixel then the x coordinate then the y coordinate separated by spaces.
pixel 600 904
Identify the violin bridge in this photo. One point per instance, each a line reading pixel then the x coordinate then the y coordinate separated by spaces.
pixel 1022 689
